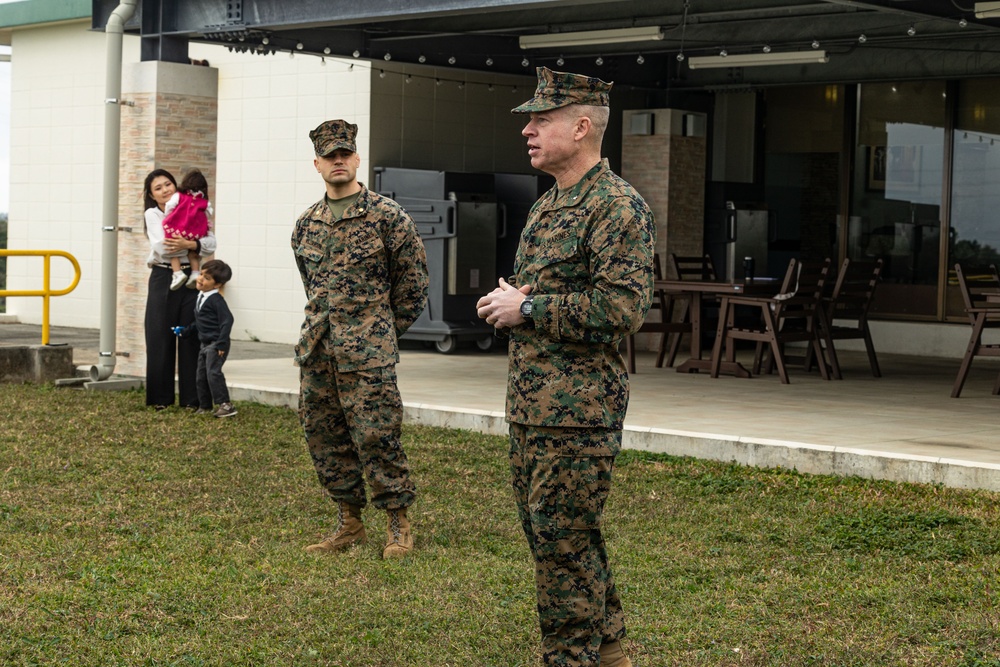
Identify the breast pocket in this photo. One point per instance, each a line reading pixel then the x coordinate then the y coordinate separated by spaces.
pixel 557 262
pixel 365 257
pixel 311 253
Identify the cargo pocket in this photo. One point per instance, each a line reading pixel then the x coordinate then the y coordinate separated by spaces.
pixel 572 481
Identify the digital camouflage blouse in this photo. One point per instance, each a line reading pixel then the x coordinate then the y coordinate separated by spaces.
pixel 365 278
pixel 587 252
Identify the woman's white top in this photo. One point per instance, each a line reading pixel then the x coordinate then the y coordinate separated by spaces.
pixel 158 254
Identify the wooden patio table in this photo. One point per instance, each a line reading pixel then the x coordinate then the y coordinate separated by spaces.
pixel 695 291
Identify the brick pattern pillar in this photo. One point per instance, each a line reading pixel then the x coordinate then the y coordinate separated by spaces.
pixel 685 224
pixel 669 171
pixel 170 123
pixel 646 165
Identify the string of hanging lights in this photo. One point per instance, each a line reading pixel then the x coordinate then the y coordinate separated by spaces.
pixel 259 42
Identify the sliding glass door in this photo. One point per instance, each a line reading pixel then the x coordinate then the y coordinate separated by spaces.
pixel 974 241
pixel 898 188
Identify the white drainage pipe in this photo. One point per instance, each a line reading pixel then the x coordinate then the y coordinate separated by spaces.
pixel 115 31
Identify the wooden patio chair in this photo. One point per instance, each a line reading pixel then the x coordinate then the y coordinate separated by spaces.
pixel 693 267
pixel 662 302
pixel 789 316
pixel 686 267
pixel 982 316
pixel 845 313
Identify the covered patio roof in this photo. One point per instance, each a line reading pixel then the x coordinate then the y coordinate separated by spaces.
pixel 863 41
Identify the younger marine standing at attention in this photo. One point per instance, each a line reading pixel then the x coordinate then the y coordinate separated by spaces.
pixel 364 270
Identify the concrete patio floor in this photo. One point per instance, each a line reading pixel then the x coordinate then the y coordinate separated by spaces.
pixel 903 426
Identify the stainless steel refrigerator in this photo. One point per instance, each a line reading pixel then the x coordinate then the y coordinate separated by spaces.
pixel 735 234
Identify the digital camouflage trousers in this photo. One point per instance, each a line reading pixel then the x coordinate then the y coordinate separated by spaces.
pixel 561 479
pixel 352 423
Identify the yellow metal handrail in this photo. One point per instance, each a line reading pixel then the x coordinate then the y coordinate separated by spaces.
pixel 46 292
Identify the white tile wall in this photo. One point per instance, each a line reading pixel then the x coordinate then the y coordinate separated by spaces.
pixel 267 105
pixel 265 172
pixel 57 132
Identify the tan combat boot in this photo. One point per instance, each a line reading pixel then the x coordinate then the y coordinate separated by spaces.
pixel 613 656
pixel 399 540
pixel 349 531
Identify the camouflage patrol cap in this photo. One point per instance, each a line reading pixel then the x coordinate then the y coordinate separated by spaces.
pixel 560 89
pixel 334 134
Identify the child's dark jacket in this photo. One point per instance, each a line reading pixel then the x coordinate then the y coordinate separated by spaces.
pixel 213 323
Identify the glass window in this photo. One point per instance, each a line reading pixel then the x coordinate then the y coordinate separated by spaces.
pixel 804 138
pixel 974 239
pixel 897 192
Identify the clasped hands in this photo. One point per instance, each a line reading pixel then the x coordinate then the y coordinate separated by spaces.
pixel 501 308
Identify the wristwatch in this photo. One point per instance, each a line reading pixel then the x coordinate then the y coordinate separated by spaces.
pixel 526 308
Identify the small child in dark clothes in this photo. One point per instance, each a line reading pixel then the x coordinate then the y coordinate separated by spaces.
pixel 213 323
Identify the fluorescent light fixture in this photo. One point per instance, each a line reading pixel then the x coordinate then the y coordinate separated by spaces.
pixel 759 59
pixel 592 37
pixel 988 10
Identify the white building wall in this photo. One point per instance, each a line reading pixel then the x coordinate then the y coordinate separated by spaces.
pixel 267 105
pixel 266 177
pixel 57 135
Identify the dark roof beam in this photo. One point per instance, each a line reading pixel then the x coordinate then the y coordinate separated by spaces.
pixel 304 14
pixel 951 14
pixel 612 18
pixel 796 37
pixel 865 63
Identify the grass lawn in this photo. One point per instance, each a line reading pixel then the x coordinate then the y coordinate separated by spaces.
pixel 134 537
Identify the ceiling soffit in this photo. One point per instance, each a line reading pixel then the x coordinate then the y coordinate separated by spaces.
pixel 865 41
